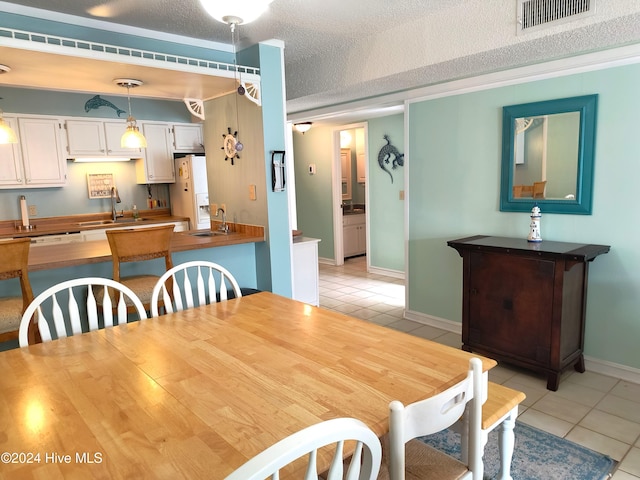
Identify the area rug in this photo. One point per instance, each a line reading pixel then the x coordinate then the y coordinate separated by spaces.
pixel 538 455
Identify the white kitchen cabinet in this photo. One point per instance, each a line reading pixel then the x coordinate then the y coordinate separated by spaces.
pixel 360 168
pixel 354 235
pixel 11 173
pixel 157 166
pixel 97 138
pixel 187 138
pixel 56 239
pixel 85 137
pixel 305 281
pixel 42 161
pixel 345 167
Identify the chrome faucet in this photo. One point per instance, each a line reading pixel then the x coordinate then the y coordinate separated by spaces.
pixel 224 227
pixel 115 198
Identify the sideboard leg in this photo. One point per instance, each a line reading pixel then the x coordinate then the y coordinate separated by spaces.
pixel 579 366
pixel 553 381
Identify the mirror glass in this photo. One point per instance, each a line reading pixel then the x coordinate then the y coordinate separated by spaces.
pixel 547 155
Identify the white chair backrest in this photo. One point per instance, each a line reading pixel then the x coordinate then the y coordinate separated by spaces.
pixel 51 316
pixel 205 281
pixel 435 414
pixel 364 465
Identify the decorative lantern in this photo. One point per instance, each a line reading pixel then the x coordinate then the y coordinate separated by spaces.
pixel 534 226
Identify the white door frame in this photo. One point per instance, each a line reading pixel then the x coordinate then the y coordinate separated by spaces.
pixel 336 178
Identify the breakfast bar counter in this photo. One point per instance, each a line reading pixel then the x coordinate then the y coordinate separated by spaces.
pixel 46 257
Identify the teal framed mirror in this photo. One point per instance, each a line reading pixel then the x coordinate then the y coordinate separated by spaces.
pixel 548 155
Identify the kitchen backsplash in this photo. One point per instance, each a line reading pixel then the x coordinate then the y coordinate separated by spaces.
pixel 74 198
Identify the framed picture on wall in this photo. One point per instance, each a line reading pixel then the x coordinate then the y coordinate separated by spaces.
pixel 100 184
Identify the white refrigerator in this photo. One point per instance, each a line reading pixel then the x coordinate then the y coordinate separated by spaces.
pixel 189 195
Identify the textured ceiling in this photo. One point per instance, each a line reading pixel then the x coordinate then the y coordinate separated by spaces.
pixel 338 51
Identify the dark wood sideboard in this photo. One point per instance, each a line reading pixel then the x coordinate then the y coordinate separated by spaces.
pixel 524 303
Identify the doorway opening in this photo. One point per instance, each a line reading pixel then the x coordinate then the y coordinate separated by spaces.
pixel 350 192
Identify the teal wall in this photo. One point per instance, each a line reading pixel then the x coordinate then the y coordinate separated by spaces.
pixel 46 102
pixel 454 181
pixel 314 203
pixel 386 210
pixel 275 254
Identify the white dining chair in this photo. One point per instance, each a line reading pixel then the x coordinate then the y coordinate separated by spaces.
pixel 62 302
pixel 408 457
pixel 211 282
pixel 364 464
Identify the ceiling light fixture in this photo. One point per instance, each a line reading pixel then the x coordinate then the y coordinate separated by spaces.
pixel 7 135
pixel 303 127
pixel 345 139
pixel 239 12
pixel 131 138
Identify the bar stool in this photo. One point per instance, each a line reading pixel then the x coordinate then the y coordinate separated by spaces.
pixel 14 259
pixel 138 245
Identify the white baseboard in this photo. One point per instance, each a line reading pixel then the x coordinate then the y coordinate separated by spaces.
pixel 387 272
pixel 444 324
pixel 611 369
pixel 594 365
pixel 327 261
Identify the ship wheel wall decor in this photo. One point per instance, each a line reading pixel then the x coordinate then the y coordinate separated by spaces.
pixel 231 145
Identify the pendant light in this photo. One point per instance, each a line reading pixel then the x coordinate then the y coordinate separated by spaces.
pixel 7 135
pixel 238 12
pixel 240 91
pixel 131 138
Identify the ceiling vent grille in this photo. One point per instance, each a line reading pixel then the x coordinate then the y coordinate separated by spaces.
pixel 533 14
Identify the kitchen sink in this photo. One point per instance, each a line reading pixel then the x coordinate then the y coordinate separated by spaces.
pixel 353 211
pixel 207 234
pixel 93 223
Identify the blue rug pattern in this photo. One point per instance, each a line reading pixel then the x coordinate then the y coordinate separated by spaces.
pixel 537 455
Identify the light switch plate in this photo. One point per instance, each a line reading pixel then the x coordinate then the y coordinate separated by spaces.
pixel 252 192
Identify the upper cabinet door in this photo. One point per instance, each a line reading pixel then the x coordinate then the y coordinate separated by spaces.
pixel 360 167
pixel 42 152
pixel 85 137
pixel 188 138
pixel 11 173
pixel 157 166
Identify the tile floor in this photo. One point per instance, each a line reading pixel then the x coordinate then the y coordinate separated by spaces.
pixel 600 412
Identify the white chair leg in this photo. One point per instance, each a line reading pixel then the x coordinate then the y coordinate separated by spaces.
pixel 463 429
pixel 506 444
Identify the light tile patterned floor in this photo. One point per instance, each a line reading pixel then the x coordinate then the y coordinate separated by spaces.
pixel 602 413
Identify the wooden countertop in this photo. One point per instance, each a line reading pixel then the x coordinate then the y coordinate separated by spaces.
pixel 81 253
pixel 78 223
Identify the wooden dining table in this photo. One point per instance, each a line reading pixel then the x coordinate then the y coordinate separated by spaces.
pixel 197 393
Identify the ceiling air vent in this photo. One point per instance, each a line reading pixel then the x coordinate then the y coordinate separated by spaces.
pixel 534 14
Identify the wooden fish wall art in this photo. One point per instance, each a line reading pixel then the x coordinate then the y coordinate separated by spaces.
pixel 97 102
